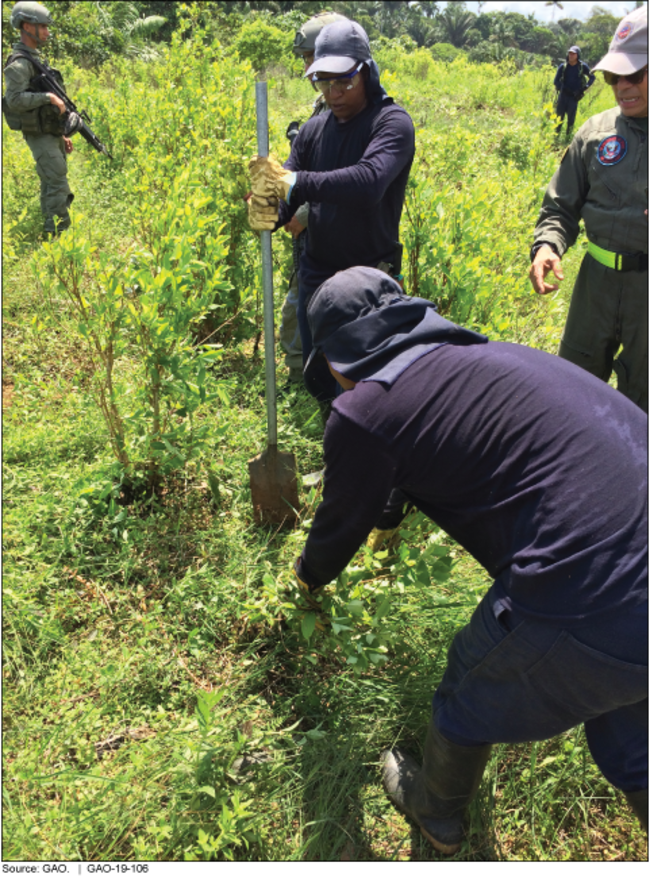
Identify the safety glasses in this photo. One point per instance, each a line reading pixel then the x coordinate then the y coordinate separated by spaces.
pixel 632 78
pixel 340 83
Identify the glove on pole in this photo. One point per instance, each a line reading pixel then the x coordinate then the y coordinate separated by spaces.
pixel 262 213
pixel 269 179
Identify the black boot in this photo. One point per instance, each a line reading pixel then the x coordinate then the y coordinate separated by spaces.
pixel 435 796
pixel 639 803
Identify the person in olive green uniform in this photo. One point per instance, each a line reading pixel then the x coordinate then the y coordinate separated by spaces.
pixel 24 111
pixel 303 46
pixel 603 178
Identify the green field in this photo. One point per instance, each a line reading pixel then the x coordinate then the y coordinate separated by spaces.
pixel 151 632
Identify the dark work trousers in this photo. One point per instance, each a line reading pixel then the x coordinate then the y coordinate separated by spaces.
pixel 567 106
pixel 320 383
pixel 511 679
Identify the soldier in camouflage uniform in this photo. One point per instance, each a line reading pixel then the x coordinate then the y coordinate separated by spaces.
pixel 603 178
pixel 38 115
pixel 303 46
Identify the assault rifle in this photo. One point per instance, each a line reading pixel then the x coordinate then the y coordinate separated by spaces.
pixel 76 120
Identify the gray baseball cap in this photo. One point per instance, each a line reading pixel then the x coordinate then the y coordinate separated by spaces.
pixel 339 46
pixel 628 51
pixel 305 40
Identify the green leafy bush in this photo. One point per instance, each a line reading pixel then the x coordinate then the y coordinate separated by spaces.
pixel 445 52
pixel 149 302
pixel 262 44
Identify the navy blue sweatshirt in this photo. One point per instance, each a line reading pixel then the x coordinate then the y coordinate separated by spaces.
pixel 574 79
pixel 536 467
pixel 353 175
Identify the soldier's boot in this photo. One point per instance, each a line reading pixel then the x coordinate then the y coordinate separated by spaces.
pixel 436 795
pixel 638 801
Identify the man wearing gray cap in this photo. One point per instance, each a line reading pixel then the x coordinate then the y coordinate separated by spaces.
pixel 603 179
pixel 304 45
pixel 572 80
pixel 351 164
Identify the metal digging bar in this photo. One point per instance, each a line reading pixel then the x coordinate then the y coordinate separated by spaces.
pixel 274 486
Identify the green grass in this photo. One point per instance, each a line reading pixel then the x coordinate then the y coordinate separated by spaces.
pixel 136 667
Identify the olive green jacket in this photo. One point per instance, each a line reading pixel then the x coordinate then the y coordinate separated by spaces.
pixel 603 179
pixel 17 77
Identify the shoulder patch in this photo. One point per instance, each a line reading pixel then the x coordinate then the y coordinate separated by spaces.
pixel 611 150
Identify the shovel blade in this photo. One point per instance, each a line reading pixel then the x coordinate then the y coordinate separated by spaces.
pixel 274 487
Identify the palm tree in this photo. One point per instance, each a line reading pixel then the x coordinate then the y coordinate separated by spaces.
pixel 503 33
pixel 428 8
pixel 555 4
pixel 452 25
pixel 124 19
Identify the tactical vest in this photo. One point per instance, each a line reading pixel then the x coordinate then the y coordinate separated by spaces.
pixel 583 74
pixel 40 120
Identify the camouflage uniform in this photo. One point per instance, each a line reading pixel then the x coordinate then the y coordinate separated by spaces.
pixel 603 178
pixel 48 150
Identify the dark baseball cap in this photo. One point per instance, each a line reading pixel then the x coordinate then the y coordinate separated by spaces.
pixel 339 46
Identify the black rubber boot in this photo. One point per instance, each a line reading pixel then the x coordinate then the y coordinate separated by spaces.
pixel 435 796
pixel 639 803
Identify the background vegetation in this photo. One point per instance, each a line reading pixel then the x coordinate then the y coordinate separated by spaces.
pixel 91 32
pixel 166 695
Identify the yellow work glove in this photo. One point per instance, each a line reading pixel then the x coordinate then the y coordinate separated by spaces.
pixel 269 179
pixel 262 213
pixel 313 600
pixel 383 540
pixel 313 597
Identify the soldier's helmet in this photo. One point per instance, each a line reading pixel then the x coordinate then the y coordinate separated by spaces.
pixel 29 11
pixel 305 39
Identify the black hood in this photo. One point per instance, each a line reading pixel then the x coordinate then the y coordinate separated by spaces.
pixel 369 330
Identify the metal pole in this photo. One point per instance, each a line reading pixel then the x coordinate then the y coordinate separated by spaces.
pixel 262 112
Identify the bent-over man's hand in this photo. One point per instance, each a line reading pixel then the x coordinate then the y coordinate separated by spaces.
pixel 294 227
pixel 269 179
pixel 67 143
pixel 545 260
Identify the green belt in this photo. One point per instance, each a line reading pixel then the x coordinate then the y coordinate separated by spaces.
pixel 618 261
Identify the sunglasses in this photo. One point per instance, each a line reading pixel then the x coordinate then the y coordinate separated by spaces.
pixel 341 83
pixel 632 78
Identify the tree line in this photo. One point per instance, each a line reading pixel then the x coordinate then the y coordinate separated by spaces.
pixel 91 32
